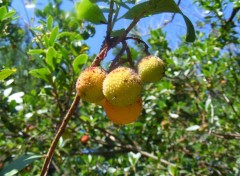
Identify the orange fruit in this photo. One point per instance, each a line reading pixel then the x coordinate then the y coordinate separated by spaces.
pixel 122 115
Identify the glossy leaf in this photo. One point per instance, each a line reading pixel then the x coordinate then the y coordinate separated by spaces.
pixel 9 15
pixel 42 73
pixel 35 51
pixel 53 36
pixel 49 22
pixel 6 73
pixel 19 164
pixel 3 12
pixel 78 61
pixel 51 53
pixel 117 33
pixel 159 6
pixel 87 10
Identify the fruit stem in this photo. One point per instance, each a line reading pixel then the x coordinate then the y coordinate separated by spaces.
pixel 140 41
pixel 58 135
pixel 129 56
pixel 117 58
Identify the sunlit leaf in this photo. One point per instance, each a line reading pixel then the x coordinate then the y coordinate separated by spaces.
pixel 87 10
pixel 78 61
pixel 9 15
pixel 3 12
pixel 49 22
pixel 53 36
pixel 51 53
pixel 46 40
pixel 69 34
pixel 42 73
pixel 35 51
pixel 172 170
pixel 6 73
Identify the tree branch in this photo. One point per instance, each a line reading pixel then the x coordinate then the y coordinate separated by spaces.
pixel 109 26
pixel 233 14
pixel 58 135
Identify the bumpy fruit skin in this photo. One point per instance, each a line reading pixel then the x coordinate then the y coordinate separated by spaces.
pixel 123 115
pixel 122 86
pixel 89 84
pixel 151 69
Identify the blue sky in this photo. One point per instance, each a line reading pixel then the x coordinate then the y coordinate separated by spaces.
pixel 174 30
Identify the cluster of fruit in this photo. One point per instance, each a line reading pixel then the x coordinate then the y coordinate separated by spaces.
pixel 120 90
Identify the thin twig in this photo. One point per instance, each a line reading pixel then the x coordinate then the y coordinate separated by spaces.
pixel 202 113
pixel 225 136
pixel 56 167
pixel 117 58
pixel 173 16
pixel 56 95
pixel 233 14
pixel 140 41
pixel 109 25
pixel 115 15
pixel 132 25
pixel 129 56
pixel 58 135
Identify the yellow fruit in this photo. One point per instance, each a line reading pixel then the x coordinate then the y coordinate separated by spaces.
pixel 151 69
pixel 89 84
pixel 123 115
pixel 122 86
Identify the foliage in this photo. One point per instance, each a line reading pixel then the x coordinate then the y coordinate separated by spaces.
pixel 190 119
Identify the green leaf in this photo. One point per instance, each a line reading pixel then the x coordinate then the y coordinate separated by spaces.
pixel 117 33
pixel 51 53
pixel 172 170
pixel 190 29
pixel 3 12
pixel 9 14
pixel 53 36
pixel 46 40
pixel 49 22
pixel 6 73
pixel 35 51
pixel 78 61
pixel 42 73
pixel 19 164
pixel 158 6
pixel 87 10
pixel 122 4
pixel 70 34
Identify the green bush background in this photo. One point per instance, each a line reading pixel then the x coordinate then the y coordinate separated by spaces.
pixel 190 121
